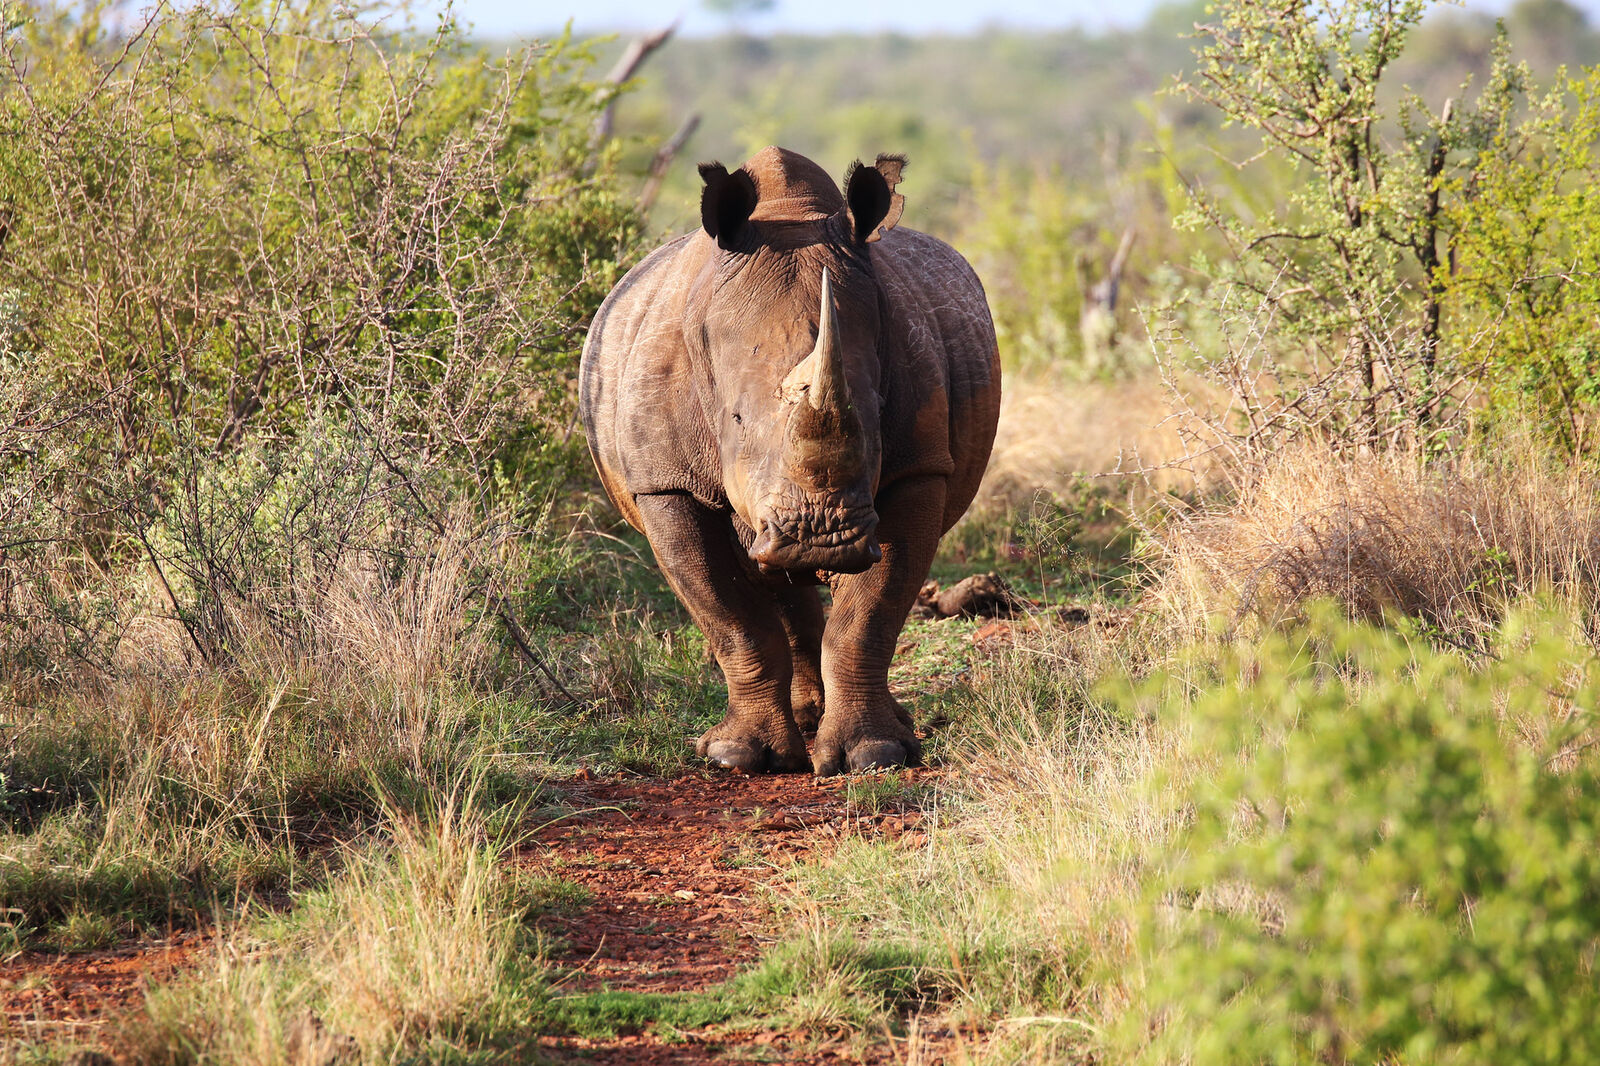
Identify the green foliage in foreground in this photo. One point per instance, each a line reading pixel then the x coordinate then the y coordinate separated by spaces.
pixel 1397 862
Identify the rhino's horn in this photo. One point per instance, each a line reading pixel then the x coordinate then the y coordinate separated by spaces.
pixel 829 389
pixel 824 436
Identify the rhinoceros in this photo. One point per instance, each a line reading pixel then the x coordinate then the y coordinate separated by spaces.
pixel 799 393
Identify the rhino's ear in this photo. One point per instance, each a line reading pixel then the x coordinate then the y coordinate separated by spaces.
pixel 726 202
pixel 870 199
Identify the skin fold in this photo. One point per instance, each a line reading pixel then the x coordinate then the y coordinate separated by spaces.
pixel 799 393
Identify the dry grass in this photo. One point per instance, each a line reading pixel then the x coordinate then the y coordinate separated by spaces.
pixel 1072 460
pixel 1017 918
pixel 415 945
pixel 1054 430
pixel 1072 801
pixel 175 791
pixel 1447 543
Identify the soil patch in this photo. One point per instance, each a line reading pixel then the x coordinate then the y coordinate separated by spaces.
pixel 677 873
pixel 51 997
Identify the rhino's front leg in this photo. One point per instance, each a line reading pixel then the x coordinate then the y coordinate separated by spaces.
pixel 864 726
pixel 697 553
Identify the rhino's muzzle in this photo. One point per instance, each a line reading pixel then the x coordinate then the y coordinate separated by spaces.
pixel 844 549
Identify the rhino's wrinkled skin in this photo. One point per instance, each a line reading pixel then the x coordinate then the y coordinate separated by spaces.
pixel 799 392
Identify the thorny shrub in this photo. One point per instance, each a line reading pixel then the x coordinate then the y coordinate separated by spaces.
pixel 281 286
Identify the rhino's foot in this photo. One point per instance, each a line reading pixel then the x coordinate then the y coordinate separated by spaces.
pixel 834 756
pixel 808 717
pixel 750 754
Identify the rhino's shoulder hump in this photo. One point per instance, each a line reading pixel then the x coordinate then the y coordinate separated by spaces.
pixel 939 309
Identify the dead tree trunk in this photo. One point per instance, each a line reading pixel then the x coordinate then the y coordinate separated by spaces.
pixel 663 160
pixel 639 50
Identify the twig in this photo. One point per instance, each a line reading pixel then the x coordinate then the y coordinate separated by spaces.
pixel 177 611
pixel 521 641
pixel 663 161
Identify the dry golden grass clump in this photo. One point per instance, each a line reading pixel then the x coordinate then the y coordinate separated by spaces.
pixel 1055 428
pixel 415 946
pixel 1450 543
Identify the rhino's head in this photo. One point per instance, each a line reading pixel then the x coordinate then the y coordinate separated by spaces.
pixel 791 336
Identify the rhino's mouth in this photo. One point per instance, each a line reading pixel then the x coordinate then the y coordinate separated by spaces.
pixel 826 535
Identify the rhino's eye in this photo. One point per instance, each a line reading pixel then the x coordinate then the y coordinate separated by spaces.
pixel 738 419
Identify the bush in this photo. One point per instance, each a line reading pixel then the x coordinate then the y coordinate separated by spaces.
pixel 1396 862
pixel 1527 274
pixel 256 251
pixel 1066 270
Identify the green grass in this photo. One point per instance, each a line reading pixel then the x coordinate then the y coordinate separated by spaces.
pixel 841 983
pixel 879 793
pixel 609 1013
pixel 1053 546
pixel 540 894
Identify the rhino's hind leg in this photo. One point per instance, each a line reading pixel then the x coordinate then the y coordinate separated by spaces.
pixel 865 726
pixel 741 623
pixel 800 607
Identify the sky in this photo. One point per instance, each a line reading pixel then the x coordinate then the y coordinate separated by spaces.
pixel 590 17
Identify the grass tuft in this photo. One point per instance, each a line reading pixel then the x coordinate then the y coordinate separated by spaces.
pixel 414 950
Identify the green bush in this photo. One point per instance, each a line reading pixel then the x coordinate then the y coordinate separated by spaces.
pixel 1526 283
pixel 237 242
pixel 1397 862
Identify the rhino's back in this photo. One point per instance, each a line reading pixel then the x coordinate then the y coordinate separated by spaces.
pixel 941 365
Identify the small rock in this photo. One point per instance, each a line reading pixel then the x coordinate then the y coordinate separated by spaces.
pixel 85 1057
pixel 685 894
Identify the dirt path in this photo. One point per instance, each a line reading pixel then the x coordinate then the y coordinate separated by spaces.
pixel 678 871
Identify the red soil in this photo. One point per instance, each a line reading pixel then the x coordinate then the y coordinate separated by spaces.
pixel 49 997
pixel 679 871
